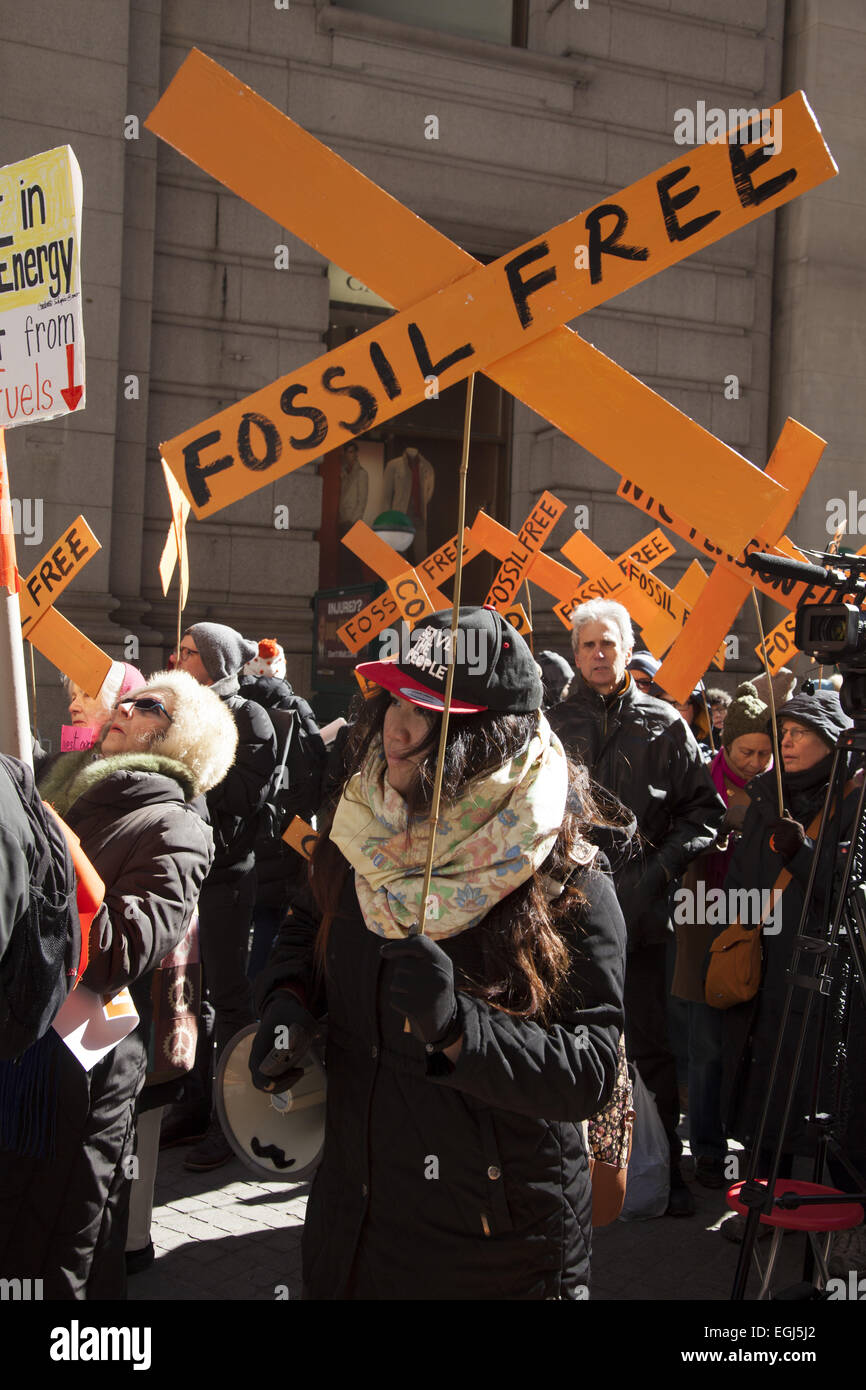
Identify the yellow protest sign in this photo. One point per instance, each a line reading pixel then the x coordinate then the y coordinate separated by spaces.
pixel 57 568
pixel 384 559
pixel 547 573
pixel 365 625
pixel 175 547
pixel 516 615
pixel 50 633
pixel 628 581
pixel 692 583
pixel 780 645
pixel 211 117
pixel 41 333
pixel 410 596
pixel 442 563
pixel 530 538
pixel 70 651
pixel 300 836
pixel 368 688
pixel 793 463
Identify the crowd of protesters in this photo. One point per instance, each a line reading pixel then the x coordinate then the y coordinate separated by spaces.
pixel 578 806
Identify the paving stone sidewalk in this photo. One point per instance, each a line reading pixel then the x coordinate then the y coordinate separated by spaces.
pixel 228 1235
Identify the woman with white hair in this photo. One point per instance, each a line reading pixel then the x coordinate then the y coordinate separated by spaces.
pixel 88 713
pixel 65 1133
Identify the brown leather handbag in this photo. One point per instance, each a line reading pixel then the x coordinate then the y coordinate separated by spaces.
pixel 736 957
pixel 609 1134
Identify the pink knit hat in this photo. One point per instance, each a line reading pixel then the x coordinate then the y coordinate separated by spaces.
pixel 132 679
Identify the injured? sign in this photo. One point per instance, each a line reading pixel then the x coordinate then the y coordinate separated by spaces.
pixel 41 336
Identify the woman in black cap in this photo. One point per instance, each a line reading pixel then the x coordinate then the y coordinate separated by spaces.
pixel 809 727
pixel 460 1063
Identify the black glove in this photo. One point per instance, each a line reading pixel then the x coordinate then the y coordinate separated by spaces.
pixel 422 989
pixel 286 1029
pixel 787 837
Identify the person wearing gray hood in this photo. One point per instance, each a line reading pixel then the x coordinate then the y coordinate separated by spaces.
pixel 215 654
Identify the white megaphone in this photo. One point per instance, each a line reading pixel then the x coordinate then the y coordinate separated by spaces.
pixel 277 1136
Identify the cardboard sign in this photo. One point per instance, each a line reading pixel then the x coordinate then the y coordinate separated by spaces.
pixel 92 1024
pixel 690 587
pixel 530 538
pixel 793 462
pixel 544 571
pixel 368 688
pixel 57 568
pixel 301 836
pixel 42 342
pixel 209 115
pixel 175 547
pixel 61 643
pixel 781 648
pixel 8 565
pixel 410 596
pixel 366 625
pixel 384 560
pixel 516 615
pixel 363 626
pixel 625 580
pixel 74 738
pixel 442 563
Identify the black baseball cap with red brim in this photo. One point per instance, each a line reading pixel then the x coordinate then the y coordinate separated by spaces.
pixel 494 668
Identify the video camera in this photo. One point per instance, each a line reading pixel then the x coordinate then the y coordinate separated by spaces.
pixel 831 633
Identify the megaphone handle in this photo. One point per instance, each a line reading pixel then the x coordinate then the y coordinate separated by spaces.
pixel 304 1102
pixel 276 1062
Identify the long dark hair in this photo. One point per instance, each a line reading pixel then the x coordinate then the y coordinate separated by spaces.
pixel 525 959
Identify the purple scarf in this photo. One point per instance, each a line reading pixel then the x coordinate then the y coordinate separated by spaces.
pixel 723 775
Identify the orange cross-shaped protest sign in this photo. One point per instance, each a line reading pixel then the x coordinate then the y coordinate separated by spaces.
pixel 506 319
pixel 47 630
pixel 412 592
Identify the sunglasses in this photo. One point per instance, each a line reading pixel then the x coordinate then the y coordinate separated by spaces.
pixel 147 705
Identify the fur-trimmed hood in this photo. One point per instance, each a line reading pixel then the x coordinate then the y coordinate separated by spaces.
pixel 74 774
pixel 203 735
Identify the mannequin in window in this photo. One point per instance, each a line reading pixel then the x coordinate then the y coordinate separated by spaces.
pixel 407 485
pixel 354 489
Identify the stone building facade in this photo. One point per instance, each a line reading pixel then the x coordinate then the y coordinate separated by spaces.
pixel 190 303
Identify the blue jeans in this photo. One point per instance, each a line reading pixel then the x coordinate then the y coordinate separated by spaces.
pixel 706 1135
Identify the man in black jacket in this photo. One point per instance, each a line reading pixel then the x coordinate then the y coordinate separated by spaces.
pixel 280 870
pixel 214 654
pixel 640 749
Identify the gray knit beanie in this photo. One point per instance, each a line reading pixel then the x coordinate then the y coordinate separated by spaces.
pixel 747 714
pixel 222 650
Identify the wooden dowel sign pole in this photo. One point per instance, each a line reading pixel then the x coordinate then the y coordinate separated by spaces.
pixel 777 757
pixel 14 717
pixel 449 679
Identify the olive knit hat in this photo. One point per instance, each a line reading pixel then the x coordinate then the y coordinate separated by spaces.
pixel 747 714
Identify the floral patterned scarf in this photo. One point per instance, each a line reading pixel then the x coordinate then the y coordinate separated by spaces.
pixel 487 844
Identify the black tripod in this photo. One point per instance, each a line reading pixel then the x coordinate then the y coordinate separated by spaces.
pixel 816 948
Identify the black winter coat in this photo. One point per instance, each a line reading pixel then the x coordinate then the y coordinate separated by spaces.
pixel 280 870
pixel 467 1181
pixel 751 1030
pixel 39 926
pixel 642 751
pixel 63 1219
pixel 235 804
